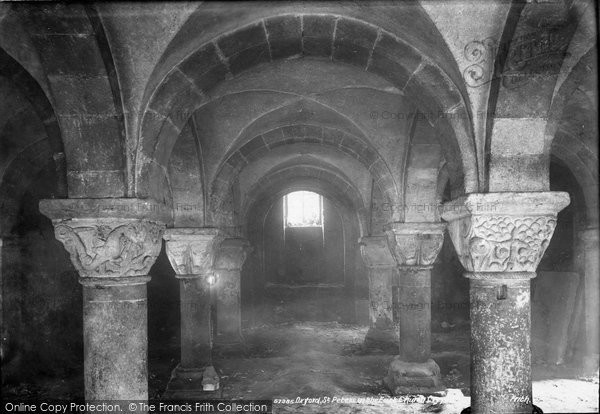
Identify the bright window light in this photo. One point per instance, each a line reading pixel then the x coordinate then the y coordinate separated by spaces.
pixel 303 209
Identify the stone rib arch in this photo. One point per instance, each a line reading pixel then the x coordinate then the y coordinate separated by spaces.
pixel 171 128
pixel 306 110
pixel 580 79
pixel 401 21
pixel 354 42
pixel 309 134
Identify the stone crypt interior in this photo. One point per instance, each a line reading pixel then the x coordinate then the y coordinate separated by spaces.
pixel 281 200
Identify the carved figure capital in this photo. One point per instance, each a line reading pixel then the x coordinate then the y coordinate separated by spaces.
pixel 191 251
pixel 110 248
pixel 110 241
pixel 415 244
pixel 503 232
pixel 232 254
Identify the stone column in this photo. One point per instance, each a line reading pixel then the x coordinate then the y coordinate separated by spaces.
pixel 380 265
pixel 500 239
pixel 228 265
pixel 112 243
pixel 589 238
pixel 191 252
pixel 3 330
pixel 415 247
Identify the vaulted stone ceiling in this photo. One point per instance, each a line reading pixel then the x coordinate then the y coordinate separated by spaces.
pixel 232 88
pixel 323 80
pixel 311 102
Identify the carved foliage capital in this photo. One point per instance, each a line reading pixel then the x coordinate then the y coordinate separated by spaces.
pixel 415 244
pixel 109 247
pixel 191 251
pixel 511 237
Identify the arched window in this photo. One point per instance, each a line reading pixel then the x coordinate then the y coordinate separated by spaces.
pixel 302 209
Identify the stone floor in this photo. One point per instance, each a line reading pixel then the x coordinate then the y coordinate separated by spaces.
pixel 326 360
pixel 312 360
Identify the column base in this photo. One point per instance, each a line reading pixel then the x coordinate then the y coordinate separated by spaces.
pixel 413 377
pixel 534 410
pixel 384 339
pixel 192 383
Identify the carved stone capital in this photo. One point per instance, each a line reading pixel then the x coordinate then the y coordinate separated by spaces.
pixel 376 252
pixel 503 232
pixel 415 244
pixel 103 247
pixel 232 254
pixel 192 251
pixel 110 248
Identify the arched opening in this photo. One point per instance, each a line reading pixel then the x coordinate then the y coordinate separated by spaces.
pixel 304 248
pixel 302 267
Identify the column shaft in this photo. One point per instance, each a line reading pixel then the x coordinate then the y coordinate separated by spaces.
pixel 380 297
pixel 414 311
pixel 380 265
pixel 591 298
pixel 229 313
pixel 500 345
pixel 415 247
pixel 382 331
pixel 2 290
pixel 196 338
pixel 231 256
pixel 112 243
pixel 500 239
pixel 191 252
pixel 115 331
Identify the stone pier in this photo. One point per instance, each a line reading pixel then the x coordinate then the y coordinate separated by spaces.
pixel 2 324
pixel 191 252
pixel 230 258
pixel 112 248
pixel 591 299
pixel 500 239
pixel 415 247
pixel 380 264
